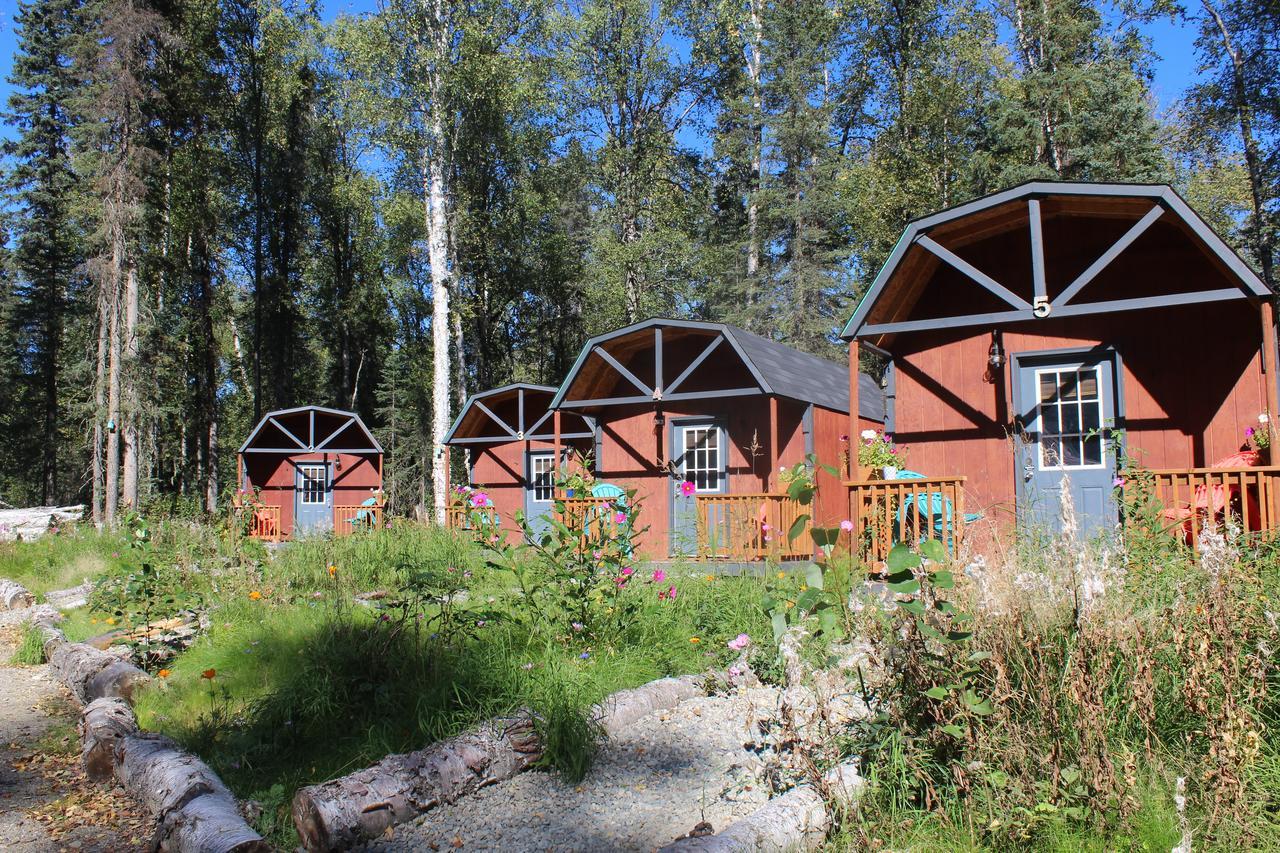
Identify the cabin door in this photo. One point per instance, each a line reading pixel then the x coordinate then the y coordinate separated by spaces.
pixel 539 489
pixel 698 450
pixel 312 499
pixel 1067 405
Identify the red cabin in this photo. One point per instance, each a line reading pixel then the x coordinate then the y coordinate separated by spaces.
pixel 508 437
pixel 697 418
pixel 309 470
pixel 1050 335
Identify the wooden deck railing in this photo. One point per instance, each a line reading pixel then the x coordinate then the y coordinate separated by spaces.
pixel 349 519
pixel 750 527
pixel 460 518
pixel 1191 499
pixel 259 522
pixel 593 516
pixel 886 512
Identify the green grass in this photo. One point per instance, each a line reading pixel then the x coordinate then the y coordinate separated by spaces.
pixel 62 560
pixel 30 648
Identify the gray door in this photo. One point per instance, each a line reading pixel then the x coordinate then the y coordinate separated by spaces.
pixel 539 489
pixel 312 498
pixel 1067 404
pixel 698 451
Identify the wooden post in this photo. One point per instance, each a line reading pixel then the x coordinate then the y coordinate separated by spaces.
pixel 447 485
pixel 771 478
pixel 555 420
pixel 854 372
pixel 1269 365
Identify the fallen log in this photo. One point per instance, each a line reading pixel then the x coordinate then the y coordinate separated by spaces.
pixel 30 523
pixel 103 723
pixel 194 811
pixel 337 814
pixel 798 820
pixel 620 710
pixel 92 673
pixel 14 596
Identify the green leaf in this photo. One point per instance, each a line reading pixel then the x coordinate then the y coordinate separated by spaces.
pixel 958 636
pixel 907 587
pixel 830 621
pixel 813 576
pixel 825 536
pixel 933 550
pixel 779 622
pixel 912 606
pixel 797 528
pixel 955 731
pixel 943 580
pixel 808 599
pixel 900 558
pixel 830 469
pixel 936 693
pixel 979 656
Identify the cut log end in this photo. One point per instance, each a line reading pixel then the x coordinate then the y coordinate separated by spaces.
pixel 14 596
pixel 102 724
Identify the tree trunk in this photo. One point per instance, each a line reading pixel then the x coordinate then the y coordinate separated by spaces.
pixel 129 390
pixel 91 673
pixel 441 272
pixel 14 596
pixel 100 408
pixel 754 46
pixel 102 724
pixel 112 484
pixel 339 813
pixel 619 711
pixel 194 811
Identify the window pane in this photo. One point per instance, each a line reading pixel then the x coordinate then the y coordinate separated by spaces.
pixel 1093 450
pixel 1070 420
pixel 1050 452
pixel 1071 451
pixel 1050 417
pixel 1089 384
pixel 1091 416
pixel 1067 386
pixel 1048 387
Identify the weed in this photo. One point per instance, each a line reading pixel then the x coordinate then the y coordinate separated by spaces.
pixel 30 648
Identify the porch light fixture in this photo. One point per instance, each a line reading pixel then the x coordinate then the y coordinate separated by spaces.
pixel 995 354
pixel 659 420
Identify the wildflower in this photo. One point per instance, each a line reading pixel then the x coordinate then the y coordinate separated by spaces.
pixel 255 596
pixel 93 621
pixel 209 674
pixel 1118 482
pixel 709 577
pixel 659 575
pixel 790 604
pixel 781 575
pixel 739 642
pixel 626 571
pixel 619 517
pixel 764 525
pixel 164 673
pixel 584 655
pixel 333 571
pixel 384 618
pixel 846 526
pixel 480 623
pixel 844 438
pixel 735 671
pixel 479 500
pixel 466 574
pixel 687 488
pixel 1264 418
pixel 526 666
pixel 868 435
pixel 671 593
pixel 1248 432
pixel 695 640
pixel 578 626
pixel 111 620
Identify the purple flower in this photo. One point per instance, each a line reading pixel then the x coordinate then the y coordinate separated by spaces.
pixel 578 626
pixel 739 642
pixel 619 517
pixel 659 575
pixel 1118 482
pixel 1248 432
pixel 584 655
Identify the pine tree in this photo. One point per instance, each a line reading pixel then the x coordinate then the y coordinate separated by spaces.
pixel 41 187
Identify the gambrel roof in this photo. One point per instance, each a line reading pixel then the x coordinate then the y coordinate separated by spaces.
pixel 516 412
pixel 310 429
pixel 772 368
pixel 1113 222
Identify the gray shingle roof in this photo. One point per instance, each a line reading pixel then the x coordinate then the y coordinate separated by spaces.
pixel 801 376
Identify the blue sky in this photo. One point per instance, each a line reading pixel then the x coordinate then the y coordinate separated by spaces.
pixel 1173 43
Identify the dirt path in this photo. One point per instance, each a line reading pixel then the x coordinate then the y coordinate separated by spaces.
pixel 46 803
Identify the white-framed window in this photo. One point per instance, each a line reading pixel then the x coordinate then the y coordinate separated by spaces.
pixel 312 483
pixel 701 460
pixel 1069 401
pixel 542 468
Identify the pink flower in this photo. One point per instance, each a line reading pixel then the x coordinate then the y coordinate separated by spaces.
pixel 671 593
pixel 687 488
pixel 577 627
pixel 739 642
pixel 764 525
pixel 626 571
pixel 659 575
pixel 846 526
pixel 1118 482
pixel 619 517
pixel 479 499
pixel 1248 432
pixel 843 437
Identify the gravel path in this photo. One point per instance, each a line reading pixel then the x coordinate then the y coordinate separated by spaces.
pixel 46 803
pixel 664 776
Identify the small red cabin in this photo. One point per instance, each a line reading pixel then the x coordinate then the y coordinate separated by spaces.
pixel 696 418
pixel 1047 336
pixel 508 437
pixel 309 470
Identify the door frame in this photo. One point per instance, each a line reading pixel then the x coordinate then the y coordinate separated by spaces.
pixel 328 495
pixel 527 491
pixel 1046 358
pixel 675 452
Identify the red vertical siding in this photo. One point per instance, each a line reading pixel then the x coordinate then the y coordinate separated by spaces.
pixel 355 477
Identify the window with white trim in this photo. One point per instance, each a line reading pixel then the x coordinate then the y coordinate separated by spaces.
pixel 542 476
pixel 701 460
pixel 312 482
pixel 1070 417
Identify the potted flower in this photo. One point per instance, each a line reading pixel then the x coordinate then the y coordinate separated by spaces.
pixel 879 454
pixel 1260 437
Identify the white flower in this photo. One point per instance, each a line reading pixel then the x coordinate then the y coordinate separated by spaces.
pixel 868 434
pixel 1264 418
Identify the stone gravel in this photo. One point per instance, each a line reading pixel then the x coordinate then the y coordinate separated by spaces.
pixel 656 782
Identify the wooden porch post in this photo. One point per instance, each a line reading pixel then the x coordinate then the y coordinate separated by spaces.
pixel 555 420
pixel 447 477
pixel 1269 365
pixel 771 479
pixel 853 407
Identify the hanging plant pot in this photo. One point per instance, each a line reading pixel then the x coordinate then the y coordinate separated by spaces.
pixel 889 472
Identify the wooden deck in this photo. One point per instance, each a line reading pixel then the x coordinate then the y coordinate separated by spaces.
pixel 1189 500
pixel 263 522
pixel 886 512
